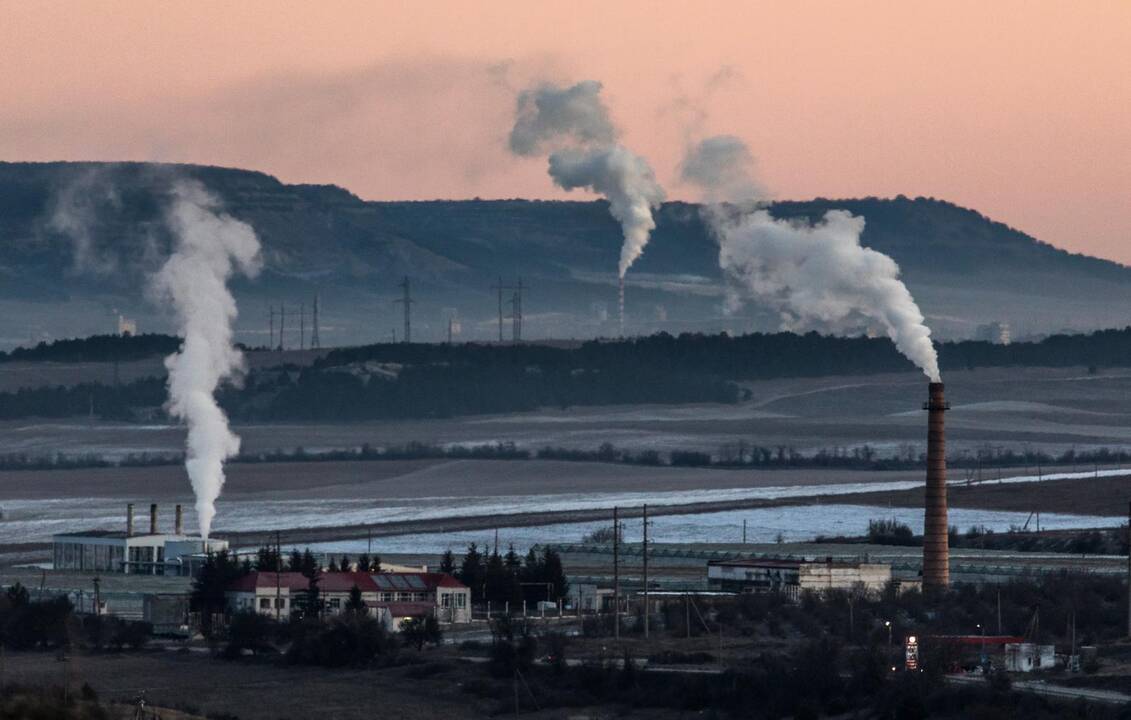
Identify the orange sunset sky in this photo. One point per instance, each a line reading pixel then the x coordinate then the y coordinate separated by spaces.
pixel 1021 110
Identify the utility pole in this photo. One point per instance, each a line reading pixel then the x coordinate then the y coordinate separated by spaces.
pixel 616 574
pixel 271 326
pixel 315 343
pixel 282 323
pixel 646 608
pixel 407 301
pixel 301 326
pixel 449 329
pixel 278 580
pixel 743 531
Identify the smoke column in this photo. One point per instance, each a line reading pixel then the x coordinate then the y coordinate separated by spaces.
pixel 573 124
pixel 210 246
pixel 811 274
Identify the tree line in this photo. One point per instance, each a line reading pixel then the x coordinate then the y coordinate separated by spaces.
pixel 509 578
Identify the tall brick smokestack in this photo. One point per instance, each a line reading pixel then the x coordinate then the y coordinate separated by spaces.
pixel 936 543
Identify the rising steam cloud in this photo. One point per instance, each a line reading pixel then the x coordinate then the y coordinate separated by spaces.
pixel 209 247
pixel 811 274
pixel 572 124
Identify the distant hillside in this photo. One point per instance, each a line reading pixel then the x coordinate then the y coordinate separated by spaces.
pixel 76 241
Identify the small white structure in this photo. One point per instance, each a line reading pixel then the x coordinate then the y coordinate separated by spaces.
pixel 1028 657
pixel 152 553
pixel 792 577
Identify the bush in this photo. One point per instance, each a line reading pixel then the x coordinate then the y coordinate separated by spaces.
pixel 344 641
pixel 890 532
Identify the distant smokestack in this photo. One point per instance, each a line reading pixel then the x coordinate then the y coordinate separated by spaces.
pixel 936 542
pixel 178 521
pixel 153 519
pixel 620 302
pixel 129 520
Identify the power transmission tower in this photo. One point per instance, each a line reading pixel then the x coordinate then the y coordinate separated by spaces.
pixel 407 301
pixel 516 317
pixel 314 341
pixel 517 312
pixel 282 323
pixel 271 326
pixel 646 608
pixel 500 288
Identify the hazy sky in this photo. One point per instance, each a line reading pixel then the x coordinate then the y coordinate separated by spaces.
pixel 1021 110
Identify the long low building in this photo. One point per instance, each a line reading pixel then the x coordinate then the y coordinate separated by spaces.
pixel 792 577
pixel 125 551
pixel 391 597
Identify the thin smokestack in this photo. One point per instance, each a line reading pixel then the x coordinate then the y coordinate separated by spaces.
pixel 178 520
pixel 620 304
pixel 153 519
pixel 129 520
pixel 936 540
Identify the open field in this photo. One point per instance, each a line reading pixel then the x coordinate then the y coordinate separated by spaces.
pixel 249 690
pixel 1051 409
pixel 1107 496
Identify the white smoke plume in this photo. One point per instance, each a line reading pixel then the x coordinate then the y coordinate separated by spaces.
pixel 821 275
pixel 549 115
pixel 813 275
pixel 209 247
pixel 573 125
pixel 627 182
pixel 723 168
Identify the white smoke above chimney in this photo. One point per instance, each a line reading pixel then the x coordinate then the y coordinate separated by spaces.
pixel 812 274
pixel 573 125
pixel 209 247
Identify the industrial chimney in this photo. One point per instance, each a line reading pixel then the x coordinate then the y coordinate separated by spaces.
pixel 936 543
pixel 129 520
pixel 178 521
pixel 153 519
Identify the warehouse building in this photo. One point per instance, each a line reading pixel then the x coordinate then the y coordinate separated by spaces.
pixel 124 551
pixel 792 577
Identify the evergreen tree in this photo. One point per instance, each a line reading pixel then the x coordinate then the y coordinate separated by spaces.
pixel 355 604
pixel 511 559
pixel 471 572
pixel 208 588
pixel 363 562
pixel 448 563
pixel 497 579
pixel 375 564
pixel 554 574
pixel 344 564
pixel 294 562
pixel 308 565
pixel 333 567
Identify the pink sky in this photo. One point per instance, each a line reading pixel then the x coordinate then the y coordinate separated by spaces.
pixel 1021 110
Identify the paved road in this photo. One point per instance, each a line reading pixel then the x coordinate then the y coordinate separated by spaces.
pixel 1041 687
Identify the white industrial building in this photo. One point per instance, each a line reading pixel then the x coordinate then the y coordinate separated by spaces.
pixel 792 577
pixel 152 553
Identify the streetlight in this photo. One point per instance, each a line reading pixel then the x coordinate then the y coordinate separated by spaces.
pixel 887 624
pixel 982 630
